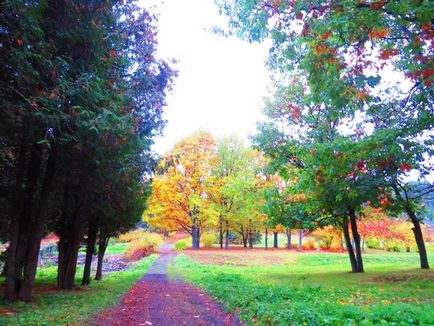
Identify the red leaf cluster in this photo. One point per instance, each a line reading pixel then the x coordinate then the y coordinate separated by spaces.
pixel 405 167
pixel 387 54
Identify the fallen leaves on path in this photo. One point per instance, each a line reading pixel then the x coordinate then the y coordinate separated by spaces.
pixel 156 301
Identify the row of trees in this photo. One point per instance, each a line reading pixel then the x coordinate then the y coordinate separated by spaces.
pixel 81 99
pixel 342 133
pixel 223 187
pixel 342 128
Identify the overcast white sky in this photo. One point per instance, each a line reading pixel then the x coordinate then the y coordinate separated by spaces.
pixel 222 81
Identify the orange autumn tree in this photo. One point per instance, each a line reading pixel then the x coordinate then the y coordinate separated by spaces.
pixel 179 200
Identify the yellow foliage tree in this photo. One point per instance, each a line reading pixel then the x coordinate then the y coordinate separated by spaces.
pixel 179 198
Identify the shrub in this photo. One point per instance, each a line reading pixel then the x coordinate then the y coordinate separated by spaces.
pixel 373 243
pixel 207 240
pixel 133 235
pixel 308 245
pixel 142 247
pixel 181 245
pixel 327 236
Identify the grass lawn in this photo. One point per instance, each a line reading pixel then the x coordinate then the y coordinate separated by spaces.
pixel 55 307
pixel 315 288
pixel 116 248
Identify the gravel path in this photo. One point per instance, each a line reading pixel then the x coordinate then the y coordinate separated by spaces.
pixel 157 300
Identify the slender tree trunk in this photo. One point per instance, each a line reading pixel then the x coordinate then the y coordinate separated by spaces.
pixel 276 240
pixel 356 238
pixel 221 233
pixel 266 238
pixel 288 236
pixel 90 248
pixel 363 244
pixel 349 246
pixel 227 235
pixel 243 236
pixel 418 236
pixel 102 246
pixel 300 239
pixel 250 234
pixel 245 239
pixel 417 230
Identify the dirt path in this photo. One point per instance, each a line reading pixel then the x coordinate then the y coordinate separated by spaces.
pixel 158 300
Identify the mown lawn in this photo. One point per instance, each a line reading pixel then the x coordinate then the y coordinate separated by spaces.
pixel 316 289
pixel 54 307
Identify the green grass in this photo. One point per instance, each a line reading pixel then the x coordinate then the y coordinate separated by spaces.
pixel 53 307
pixel 318 290
pixel 116 248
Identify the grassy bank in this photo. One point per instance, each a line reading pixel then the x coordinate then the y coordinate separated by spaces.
pixel 54 307
pixel 316 289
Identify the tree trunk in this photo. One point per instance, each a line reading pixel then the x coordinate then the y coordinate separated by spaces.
pixel 20 225
pixel 195 234
pixel 36 231
pixel 266 238
pixel 227 235
pixel 4 269
pixel 288 236
pixel 69 244
pixel 10 265
pixel 356 238
pixel 300 239
pixel 198 236
pixel 221 233
pixel 13 227
pixel 90 249
pixel 349 246
pixel 102 246
pixel 417 231
pixel 276 242
pixel 250 235
pixel 418 236
pixel 244 235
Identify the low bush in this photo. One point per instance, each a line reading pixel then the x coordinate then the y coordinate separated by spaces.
pixel 393 245
pixel 133 235
pixel 373 243
pixel 181 245
pixel 308 245
pixel 142 247
pixel 207 240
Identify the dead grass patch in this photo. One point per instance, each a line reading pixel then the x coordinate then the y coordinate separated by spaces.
pixel 241 256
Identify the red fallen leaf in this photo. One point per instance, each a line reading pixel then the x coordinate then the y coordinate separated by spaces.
pixel 405 167
pixel 254 320
pixel 19 41
pixel 112 53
